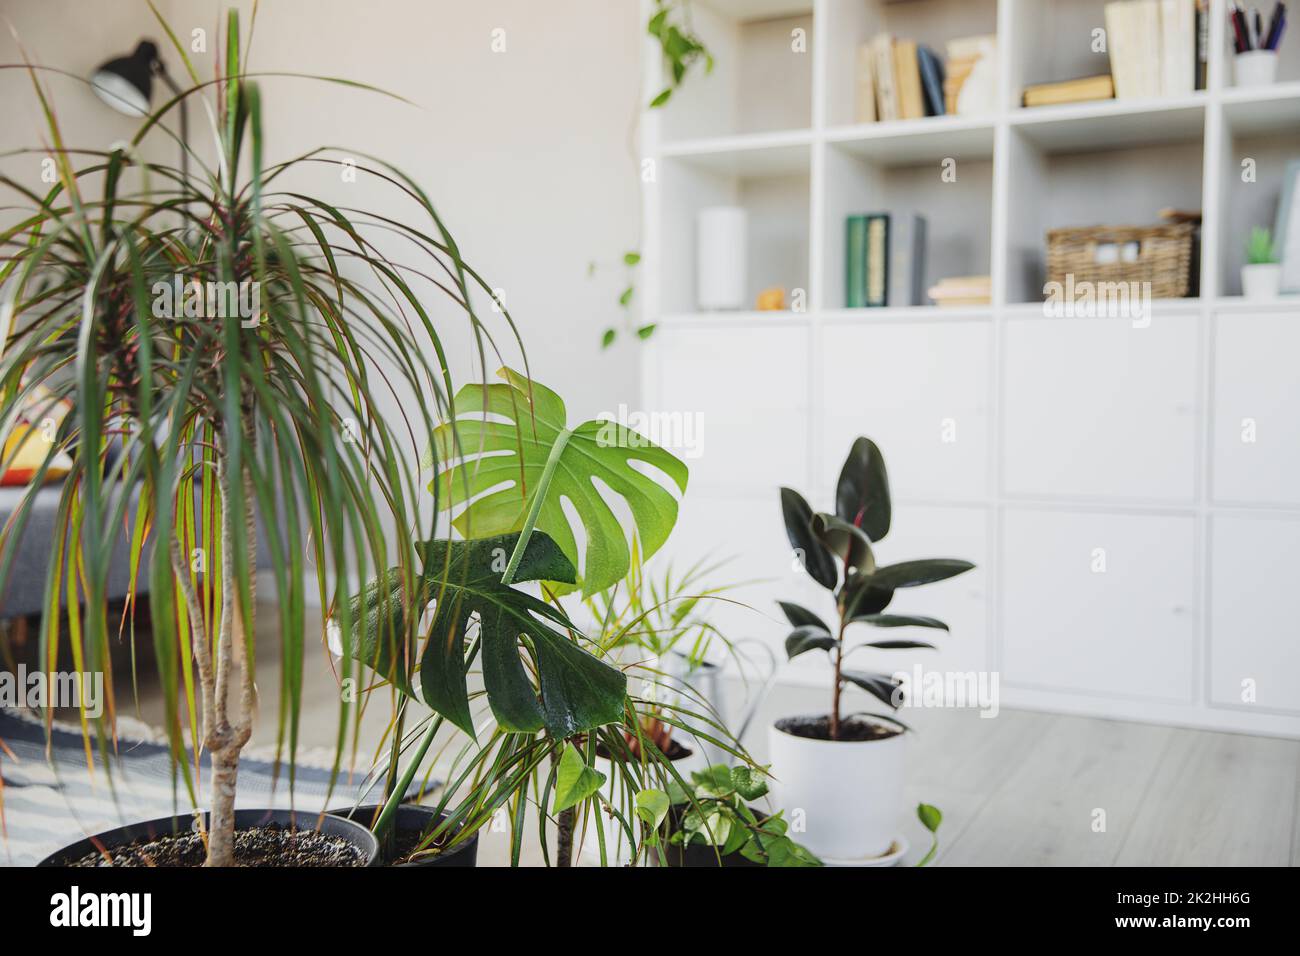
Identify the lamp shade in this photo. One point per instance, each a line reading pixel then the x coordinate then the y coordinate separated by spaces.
pixel 126 82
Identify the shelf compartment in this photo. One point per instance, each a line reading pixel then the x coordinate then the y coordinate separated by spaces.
pixel 758 154
pixel 775 193
pixel 761 80
pixel 854 22
pixel 1054 190
pixel 958 214
pixel 1266 132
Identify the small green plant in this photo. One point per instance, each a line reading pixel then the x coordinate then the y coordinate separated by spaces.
pixel 682 49
pixel 712 809
pixel 1259 247
pixel 837 552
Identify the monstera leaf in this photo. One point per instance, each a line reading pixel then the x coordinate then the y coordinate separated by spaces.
pixel 573 692
pixel 515 467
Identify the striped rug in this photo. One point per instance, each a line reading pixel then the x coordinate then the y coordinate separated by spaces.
pixel 49 804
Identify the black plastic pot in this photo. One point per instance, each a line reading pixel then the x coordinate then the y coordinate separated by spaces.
pixel 697 854
pixel 414 818
pixel 353 833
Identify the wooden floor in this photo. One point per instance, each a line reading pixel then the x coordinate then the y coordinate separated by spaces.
pixel 1024 788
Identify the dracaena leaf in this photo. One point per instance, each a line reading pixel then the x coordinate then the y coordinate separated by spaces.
pixel 497 466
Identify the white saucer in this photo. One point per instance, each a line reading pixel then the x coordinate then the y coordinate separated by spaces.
pixel 896 853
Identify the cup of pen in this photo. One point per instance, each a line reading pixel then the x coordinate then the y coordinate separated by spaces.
pixel 1256 67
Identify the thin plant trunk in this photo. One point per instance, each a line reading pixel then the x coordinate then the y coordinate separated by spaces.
pixel 564 837
pixel 222 737
pixel 839 686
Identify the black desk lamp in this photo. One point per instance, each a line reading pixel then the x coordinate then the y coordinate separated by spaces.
pixel 126 84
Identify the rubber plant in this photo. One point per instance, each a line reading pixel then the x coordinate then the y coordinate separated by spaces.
pixel 837 551
pixel 181 426
pixel 508 457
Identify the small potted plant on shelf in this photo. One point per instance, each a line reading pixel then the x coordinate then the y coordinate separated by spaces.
pixel 218 356
pixel 1261 276
pixel 843 773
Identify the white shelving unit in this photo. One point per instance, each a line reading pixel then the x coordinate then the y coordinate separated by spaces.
pixel 1043 449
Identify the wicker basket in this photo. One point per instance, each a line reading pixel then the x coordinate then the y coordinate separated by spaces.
pixel 1165 255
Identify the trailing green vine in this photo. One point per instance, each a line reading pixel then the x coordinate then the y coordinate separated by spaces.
pixel 681 49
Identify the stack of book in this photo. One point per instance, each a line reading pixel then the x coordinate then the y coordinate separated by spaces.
pixel 963 291
pixel 1157 47
pixel 884 260
pixel 1071 91
pixel 898 79
pixel 963 55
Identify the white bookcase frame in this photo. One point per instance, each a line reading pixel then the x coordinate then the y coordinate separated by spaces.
pixel 1016 141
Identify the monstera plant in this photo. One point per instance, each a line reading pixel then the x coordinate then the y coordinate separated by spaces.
pixel 851 792
pixel 508 457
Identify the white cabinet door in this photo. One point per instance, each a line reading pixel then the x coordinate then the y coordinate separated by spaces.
pixel 960 602
pixel 1257 408
pixel 921 393
pixel 748 535
pixel 1099 603
pixel 744 396
pixel 1097 408
pixel 1254 610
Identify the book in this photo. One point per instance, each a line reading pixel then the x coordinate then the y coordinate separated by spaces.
pixel 866 86
pixel 931 81
pixel 907 71
pixel 1120 44
pixel 1177 47
pixel 906 262
pixel 958 69
pixel 866 260
pixel 882 56
pixel 1101 87
pixel 962 291
pixel 1202 44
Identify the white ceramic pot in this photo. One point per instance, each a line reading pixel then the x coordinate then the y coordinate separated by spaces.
pixel 1256 67
pixel 848 795
pixel 1262 281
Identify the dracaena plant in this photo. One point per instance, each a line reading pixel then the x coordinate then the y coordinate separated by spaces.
pixel 837 550
pixel 180 425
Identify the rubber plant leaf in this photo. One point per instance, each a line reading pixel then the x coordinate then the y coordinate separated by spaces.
pixel 510 455
pixel 573 691
pixel 862 494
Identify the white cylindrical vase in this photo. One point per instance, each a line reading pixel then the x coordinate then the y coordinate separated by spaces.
pixel 846 794
pixel 721 250
pixel 1255 67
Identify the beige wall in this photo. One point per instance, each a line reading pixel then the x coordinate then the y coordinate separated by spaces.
pixel 524 152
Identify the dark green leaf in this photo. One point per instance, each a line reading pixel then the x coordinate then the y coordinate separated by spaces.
pixel 817 561
pixel 847 542
pixel 577 691
pixel 645 331
pixel 801 616
pixel 881 686
pixel 607 339
pixel 749 785
pixel 910 574
pixel 899 620
pixel 808 638
pixel 861 596
pixel 898 645
pixel 862 495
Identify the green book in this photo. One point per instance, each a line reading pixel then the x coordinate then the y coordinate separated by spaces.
pixel 866 261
